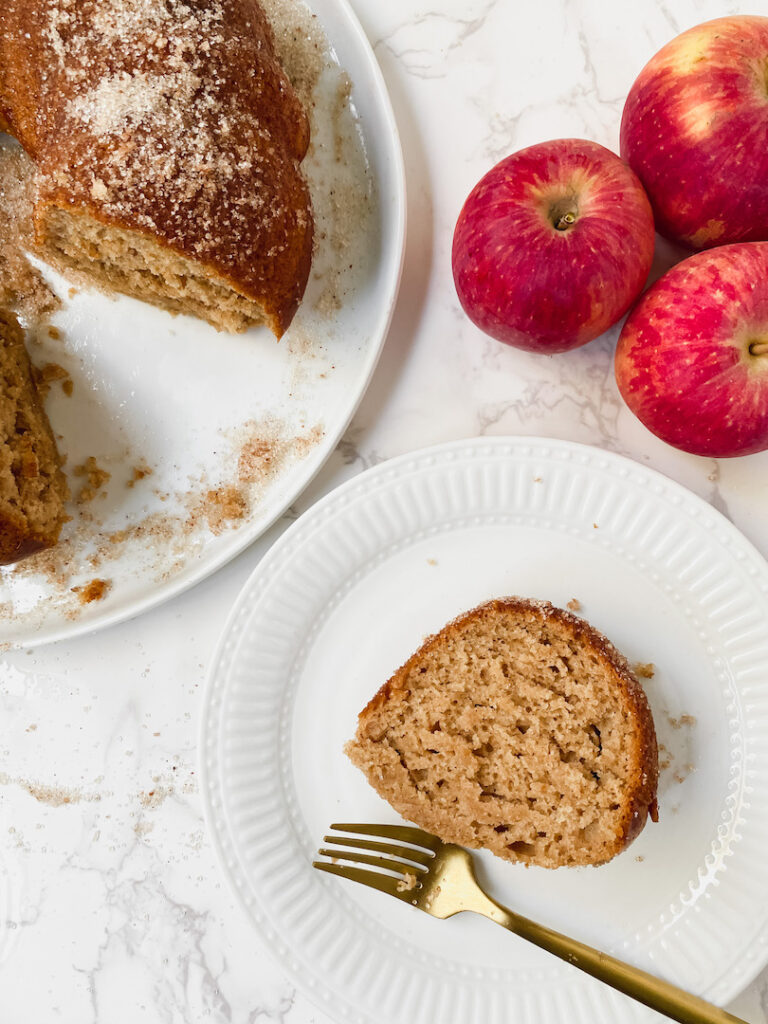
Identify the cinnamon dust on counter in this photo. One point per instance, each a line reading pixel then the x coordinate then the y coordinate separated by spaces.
pixel 51 795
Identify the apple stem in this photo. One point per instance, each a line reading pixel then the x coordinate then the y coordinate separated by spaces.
pixel 758 348
pixel 565 221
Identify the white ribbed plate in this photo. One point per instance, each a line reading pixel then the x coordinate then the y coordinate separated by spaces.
pixel 351 590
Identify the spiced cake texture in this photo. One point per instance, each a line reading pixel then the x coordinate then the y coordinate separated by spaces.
pixel 32 487
pixel 518 728
pixel 168 142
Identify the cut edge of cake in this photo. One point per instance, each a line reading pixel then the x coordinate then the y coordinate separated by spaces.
pixel 135 263
pixel 33 489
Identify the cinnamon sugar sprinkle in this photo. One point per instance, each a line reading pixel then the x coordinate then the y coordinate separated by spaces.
pixel 258 453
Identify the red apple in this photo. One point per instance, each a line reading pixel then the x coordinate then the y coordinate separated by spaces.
pixel 553 245
pixel 692 358
pixel 695 130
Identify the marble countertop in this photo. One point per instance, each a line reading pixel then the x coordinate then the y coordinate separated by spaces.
pixel 112 908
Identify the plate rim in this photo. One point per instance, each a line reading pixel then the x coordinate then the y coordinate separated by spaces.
pixel 308 522
pixel 309 469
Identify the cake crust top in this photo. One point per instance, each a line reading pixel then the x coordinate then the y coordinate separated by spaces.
pixel 172 118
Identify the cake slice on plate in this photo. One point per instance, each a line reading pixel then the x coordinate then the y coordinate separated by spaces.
pixel 518 728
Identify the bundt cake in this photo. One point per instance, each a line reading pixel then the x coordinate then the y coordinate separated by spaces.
pixel 168 142
pixel 32 487
pixel 517 728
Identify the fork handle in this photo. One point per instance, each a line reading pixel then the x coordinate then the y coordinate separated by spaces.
pixel 645 988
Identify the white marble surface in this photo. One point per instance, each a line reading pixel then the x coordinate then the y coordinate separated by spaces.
pixel 112 909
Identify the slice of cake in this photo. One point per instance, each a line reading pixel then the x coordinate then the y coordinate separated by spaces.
pixel 518 728
pixel 32 487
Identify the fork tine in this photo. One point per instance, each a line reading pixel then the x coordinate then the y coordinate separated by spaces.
pixel 376 862
pixel 400 833
pixel 406 852
pixel 385 883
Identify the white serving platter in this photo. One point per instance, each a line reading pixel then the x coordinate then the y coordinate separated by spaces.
pixel 232 428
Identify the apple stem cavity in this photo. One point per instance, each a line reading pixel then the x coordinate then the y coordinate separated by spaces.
pixel 758 348
pixel 562 214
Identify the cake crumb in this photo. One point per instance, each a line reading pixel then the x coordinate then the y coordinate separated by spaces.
pixel 644 669
pixel 49 374
pixel 431 561
pixel 574 605
pixel 640 859
pixel 139 472
pixel 407 883
pixel 54 333
pixel 97 478
pixel 682 774
pixel 684 720
pixel 96 590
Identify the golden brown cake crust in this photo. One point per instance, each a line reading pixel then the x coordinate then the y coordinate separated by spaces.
pixel 639 800
pixel 171 118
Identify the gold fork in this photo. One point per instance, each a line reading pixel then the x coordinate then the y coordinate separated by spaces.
pixel 439 878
